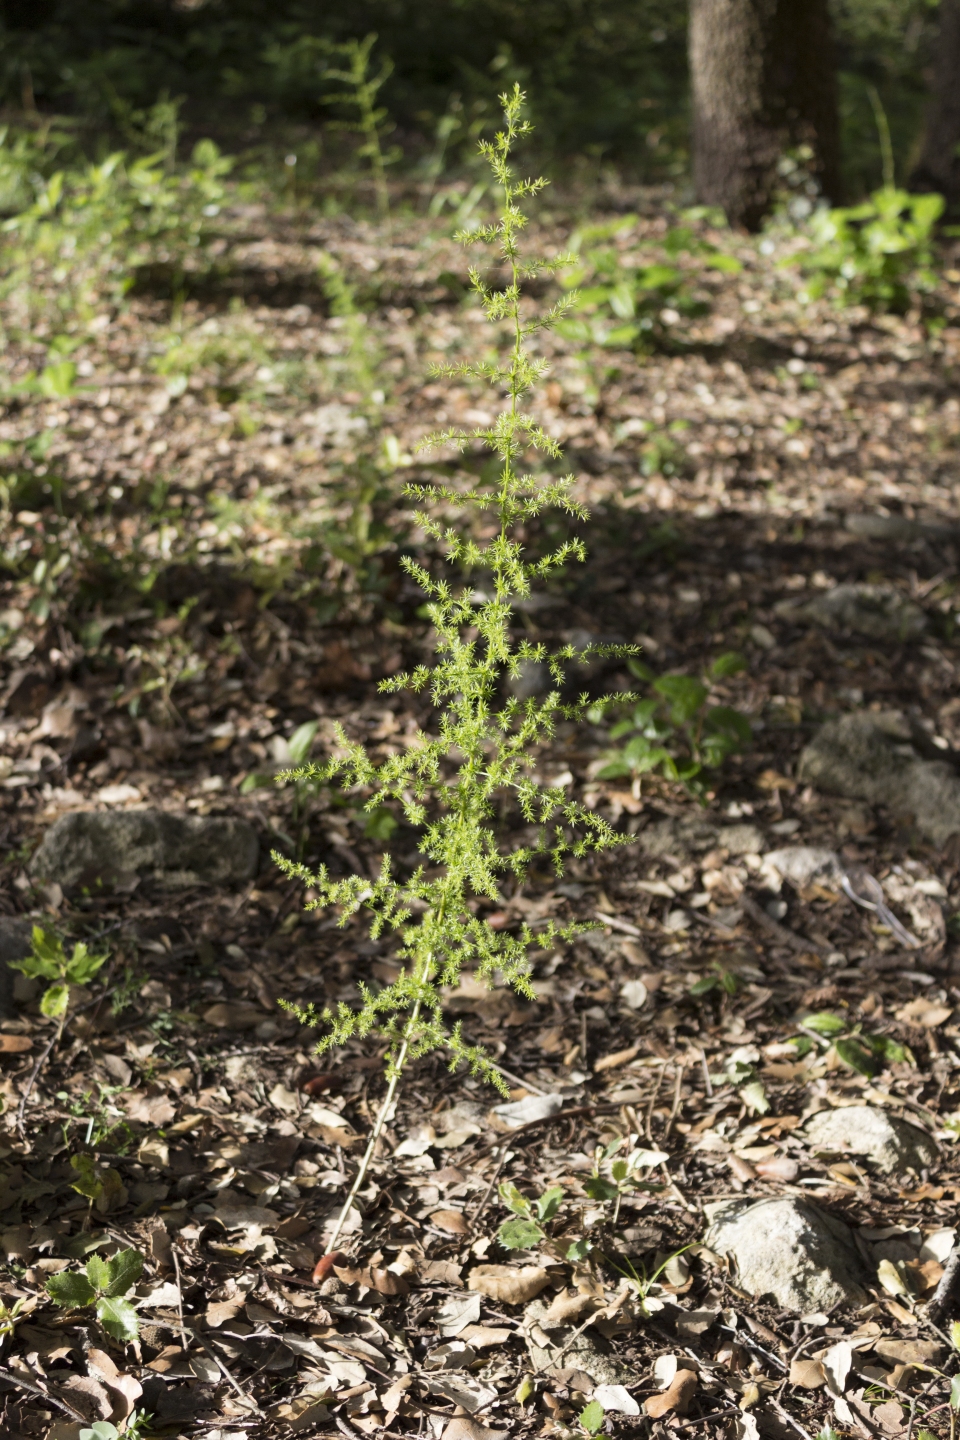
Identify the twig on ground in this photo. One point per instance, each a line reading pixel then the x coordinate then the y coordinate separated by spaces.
pixel 237 1387
pixel 14 1379
pixel 176 1270
pixel 780 932
pixel 943 1295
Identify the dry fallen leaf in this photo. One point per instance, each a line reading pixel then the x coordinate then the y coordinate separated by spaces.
pixel 451 1221
pixel 233 1015
pixel 568 1309
pixel 15 1044
pixel 779 1168
pixel 808 1374
pixel 511 1285
pixel 151 1109
pixel 677 1396
pixel 924 1012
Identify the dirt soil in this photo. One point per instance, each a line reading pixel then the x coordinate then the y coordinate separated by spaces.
pixel 199 619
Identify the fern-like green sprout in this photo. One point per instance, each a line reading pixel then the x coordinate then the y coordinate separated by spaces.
pixel 485 746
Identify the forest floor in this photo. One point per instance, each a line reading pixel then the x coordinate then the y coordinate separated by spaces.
pixel 197 619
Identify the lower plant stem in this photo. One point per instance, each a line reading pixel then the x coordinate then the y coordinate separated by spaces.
pixel 377 1130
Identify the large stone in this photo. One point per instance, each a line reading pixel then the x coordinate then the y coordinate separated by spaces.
pixel 790 1251
pixel 893 1145
pixel 682 837
pixel 877 611
pixel 113 848
pixel 870 757
pixel 15 935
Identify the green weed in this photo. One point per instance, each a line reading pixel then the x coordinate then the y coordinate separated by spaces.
pixel 104 1284
pixel 371 121
pixel 623 302
pixel 877 254
pixel 865 1053
pixel 676 731
pixel 49 961
pixel 449 785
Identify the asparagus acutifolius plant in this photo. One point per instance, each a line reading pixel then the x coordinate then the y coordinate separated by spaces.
pixel 484 746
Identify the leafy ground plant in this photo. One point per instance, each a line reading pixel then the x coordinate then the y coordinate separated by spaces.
pixel 877 254
pixel 624 302
pixel 49 961
pixel 104 1284
pixel 676 731
pixel 448 784
pixel 865 1053
pixel 371 122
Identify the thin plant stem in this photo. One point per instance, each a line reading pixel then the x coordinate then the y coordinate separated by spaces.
pixel 883 135
pixel 377 1130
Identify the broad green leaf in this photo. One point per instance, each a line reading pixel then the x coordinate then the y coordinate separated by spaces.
pixel 729 982
pixel 599 1188
pixel 889 1049
pixel 513 1199
pixel 684 694
pixel 955 1334
pixel 82 966
pixel 579 1249
pixel 549 1203
pixel 731 662
pixel 705 985
pixel 857 1056
pixel 125 1269
pixel 519 1234
pixel 825 1023
pixel 101 1430
pixel 257 780
pixel 639 670
pixel 380 824
pixel 54 1001
pixel 955 1392
pixel 90 1179
pixel 298 746
pixel 70 1288
pixel 754 1097
pixel 592 1417
pixel 98 1273
pixel 118 1318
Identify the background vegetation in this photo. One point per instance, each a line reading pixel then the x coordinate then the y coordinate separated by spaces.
pixel 607 79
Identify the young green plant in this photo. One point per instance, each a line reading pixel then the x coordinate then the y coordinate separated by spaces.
pixel 450 784
pixel 372 120
pixel 104 1284
pixel 49 961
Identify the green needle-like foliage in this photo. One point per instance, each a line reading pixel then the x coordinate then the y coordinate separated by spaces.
pixel 450 784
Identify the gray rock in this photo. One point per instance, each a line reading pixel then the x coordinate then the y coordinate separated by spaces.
pixel 869 757
pixel 688 835
pixel 14 945
pixel 789 1250
pixel 897 527
pixel 807 865
pixel 877 611
pixel 115 847
pixel 583 1354
pixel 893 1145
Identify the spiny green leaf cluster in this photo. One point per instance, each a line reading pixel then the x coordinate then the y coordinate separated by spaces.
pixel 105 1284
pixel 49 961
pixel 449 784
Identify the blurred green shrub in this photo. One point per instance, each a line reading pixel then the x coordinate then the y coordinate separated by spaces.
pixel 877 254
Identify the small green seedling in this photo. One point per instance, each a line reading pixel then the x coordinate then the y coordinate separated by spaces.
pixel 105 1285
pixel 676 730
pixel 532 1216
pixel 878 254
pixel 866 1054
pixel 48 961
pixel 720 979
pixel 592 1417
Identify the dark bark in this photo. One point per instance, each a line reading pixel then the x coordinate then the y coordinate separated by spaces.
pixel 939 165
pixel 764 81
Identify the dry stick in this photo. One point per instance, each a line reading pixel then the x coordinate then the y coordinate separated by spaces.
pixel 707 1084
pixel 785 1415
pixel 653 1100
pixel 677 1100
pixel 176 1268
pixel 22 1384
pixel 780 932
pixel 489 1190
pixel 936 1309
pixel 42 1060
pixel 377 1130
pixel 248 1399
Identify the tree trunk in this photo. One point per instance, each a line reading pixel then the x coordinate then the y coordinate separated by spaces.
pixel 764 81
pixel 939 165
